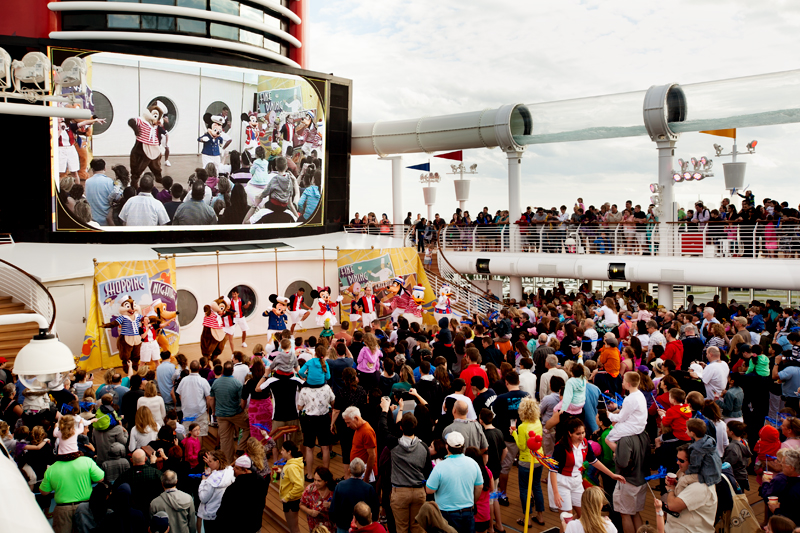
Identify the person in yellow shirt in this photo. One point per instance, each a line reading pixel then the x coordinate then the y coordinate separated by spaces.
pixel 292 484
pixel 529 417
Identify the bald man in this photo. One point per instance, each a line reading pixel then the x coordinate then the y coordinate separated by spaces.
pixel 471 430
pixel 144 480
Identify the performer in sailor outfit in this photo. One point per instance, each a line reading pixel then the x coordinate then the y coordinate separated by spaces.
pixel 253 133
pixel 276 319
pixel 227 325
pixel 212 140
pixel 298 310
pixel 238 308
pixel 413 312
pixel 129 339
pixel 212 339
pixel 326 306
pixel 147 150
pixel 398 297
pixel 443 307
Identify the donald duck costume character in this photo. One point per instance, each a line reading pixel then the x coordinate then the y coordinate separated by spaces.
pixel 443 307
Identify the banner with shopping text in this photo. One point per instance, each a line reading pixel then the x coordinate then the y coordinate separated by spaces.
pixel 359 267
pixel 151 285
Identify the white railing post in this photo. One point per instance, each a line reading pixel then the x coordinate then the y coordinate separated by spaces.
pixel 474 237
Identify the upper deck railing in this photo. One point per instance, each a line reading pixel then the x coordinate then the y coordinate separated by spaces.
pixel 679 239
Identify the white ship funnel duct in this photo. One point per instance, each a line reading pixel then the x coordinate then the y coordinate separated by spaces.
pixel 478 129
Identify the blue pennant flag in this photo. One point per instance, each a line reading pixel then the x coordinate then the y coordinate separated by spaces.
pixel 424 166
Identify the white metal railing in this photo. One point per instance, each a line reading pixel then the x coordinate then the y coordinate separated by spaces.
pixel 24 288
pixel 388 230
pixel 466 301
pixel 679 239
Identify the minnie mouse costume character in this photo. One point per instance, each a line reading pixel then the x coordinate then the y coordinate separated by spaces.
pixel 212 339
pixel 129 340
pixel 326 306
pixel 147 149
pixel 253 133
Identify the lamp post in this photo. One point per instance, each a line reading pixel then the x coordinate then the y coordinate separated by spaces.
pixel 428 190
pixel 734 171
pixel 462 185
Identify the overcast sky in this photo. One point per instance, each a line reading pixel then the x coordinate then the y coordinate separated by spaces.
pixel 415 58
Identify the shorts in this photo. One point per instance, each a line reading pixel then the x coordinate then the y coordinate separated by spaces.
pixel 569 488
pixel 296 317
pixel 629 500
pixel 291 507
pixel 229 330
pixel 149 351
pixel 508 461
pixel 480 527
pixel 201 420
pixel 242 323
pixel 316 429
pixel 296 437
pixel 68 160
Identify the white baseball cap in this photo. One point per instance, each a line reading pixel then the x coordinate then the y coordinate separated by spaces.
pixel 455 439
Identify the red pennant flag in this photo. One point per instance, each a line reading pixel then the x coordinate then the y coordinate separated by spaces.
pixel 455 156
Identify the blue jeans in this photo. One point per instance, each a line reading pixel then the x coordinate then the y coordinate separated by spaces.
pixel 340 530
pixel 462 521
pixel 524 470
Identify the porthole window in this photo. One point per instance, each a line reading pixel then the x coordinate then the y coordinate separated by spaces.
pixel 172 111
pixel 295 286
pixel 248 297
pixel 103 109
pixel 222 109
pixel 187 307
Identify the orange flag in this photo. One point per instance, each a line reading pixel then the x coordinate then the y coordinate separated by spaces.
pixel 731 132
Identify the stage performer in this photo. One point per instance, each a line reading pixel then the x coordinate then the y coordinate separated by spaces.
pixel 212 140
pixel 212 339
pixel 356 292
pixel 414 310
pixel 129 340
pixel 443 307
pixel 398 297
pixel 298 310
pixel 146 152
pixel 368 306
pixel 253 133
pixel 326 306
pixel 238 308
pixel 149 352
pixel 276 316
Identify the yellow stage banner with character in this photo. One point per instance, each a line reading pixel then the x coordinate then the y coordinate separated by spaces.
pixel 359 268
pixel 152 287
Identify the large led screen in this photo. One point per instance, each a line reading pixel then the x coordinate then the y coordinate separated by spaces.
pixel 180 145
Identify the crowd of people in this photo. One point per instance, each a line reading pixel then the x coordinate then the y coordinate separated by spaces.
pixel 585 393
pixel 769 229
pixel 273 188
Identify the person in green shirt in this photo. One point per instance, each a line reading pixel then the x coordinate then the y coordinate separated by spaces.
pixel 71 483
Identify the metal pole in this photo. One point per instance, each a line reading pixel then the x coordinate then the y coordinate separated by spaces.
pixel 219 291
pixel 323 266
pixel 277 289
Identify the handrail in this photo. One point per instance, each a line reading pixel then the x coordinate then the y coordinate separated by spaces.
pixel 25 293
pixel 403 231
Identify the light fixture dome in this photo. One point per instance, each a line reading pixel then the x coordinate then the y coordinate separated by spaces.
pixel 44 363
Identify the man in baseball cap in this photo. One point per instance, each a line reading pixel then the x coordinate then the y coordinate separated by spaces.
pixel 456 483
pixel 159 523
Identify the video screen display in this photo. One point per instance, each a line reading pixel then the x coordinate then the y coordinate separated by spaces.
pixel 181 145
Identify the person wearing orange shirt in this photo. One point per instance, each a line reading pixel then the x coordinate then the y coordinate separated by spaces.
pixel 610 357
pixel 365 445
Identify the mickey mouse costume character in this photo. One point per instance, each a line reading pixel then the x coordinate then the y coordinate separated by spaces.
pixel 276 317
pixel 326 306
pixel 212 339
pixel 212 139
pixel 129 340
pixel 147 149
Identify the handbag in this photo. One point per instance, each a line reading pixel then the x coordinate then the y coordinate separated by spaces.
pixel 741 518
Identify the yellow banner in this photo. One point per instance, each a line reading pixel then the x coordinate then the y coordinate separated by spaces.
pixel 730 132
pixel 151 285
pixel 359 267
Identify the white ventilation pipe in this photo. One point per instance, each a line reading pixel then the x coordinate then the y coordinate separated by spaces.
pixel 477 129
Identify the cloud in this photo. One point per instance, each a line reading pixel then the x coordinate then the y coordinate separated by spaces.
pixel 416 58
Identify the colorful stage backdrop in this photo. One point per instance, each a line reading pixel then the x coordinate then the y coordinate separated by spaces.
pixel 152 286
pixel 379 267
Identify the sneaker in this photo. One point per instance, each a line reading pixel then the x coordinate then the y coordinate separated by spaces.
pixel 504 501
pixel 168 163
pixel 244 345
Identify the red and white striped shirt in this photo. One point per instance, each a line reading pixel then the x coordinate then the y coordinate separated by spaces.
pixel 227 321
pixel 148 133
pixel 368 303
pixel 212 321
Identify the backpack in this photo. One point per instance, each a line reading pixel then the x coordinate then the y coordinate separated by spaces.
pixel 740 519
pixel 105 421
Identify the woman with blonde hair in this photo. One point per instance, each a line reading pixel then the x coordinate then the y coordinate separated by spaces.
pixel 144 431
pixel 591 516
pixel 153 401
pixel 529 416
pixel 256 452
pixel 368 362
